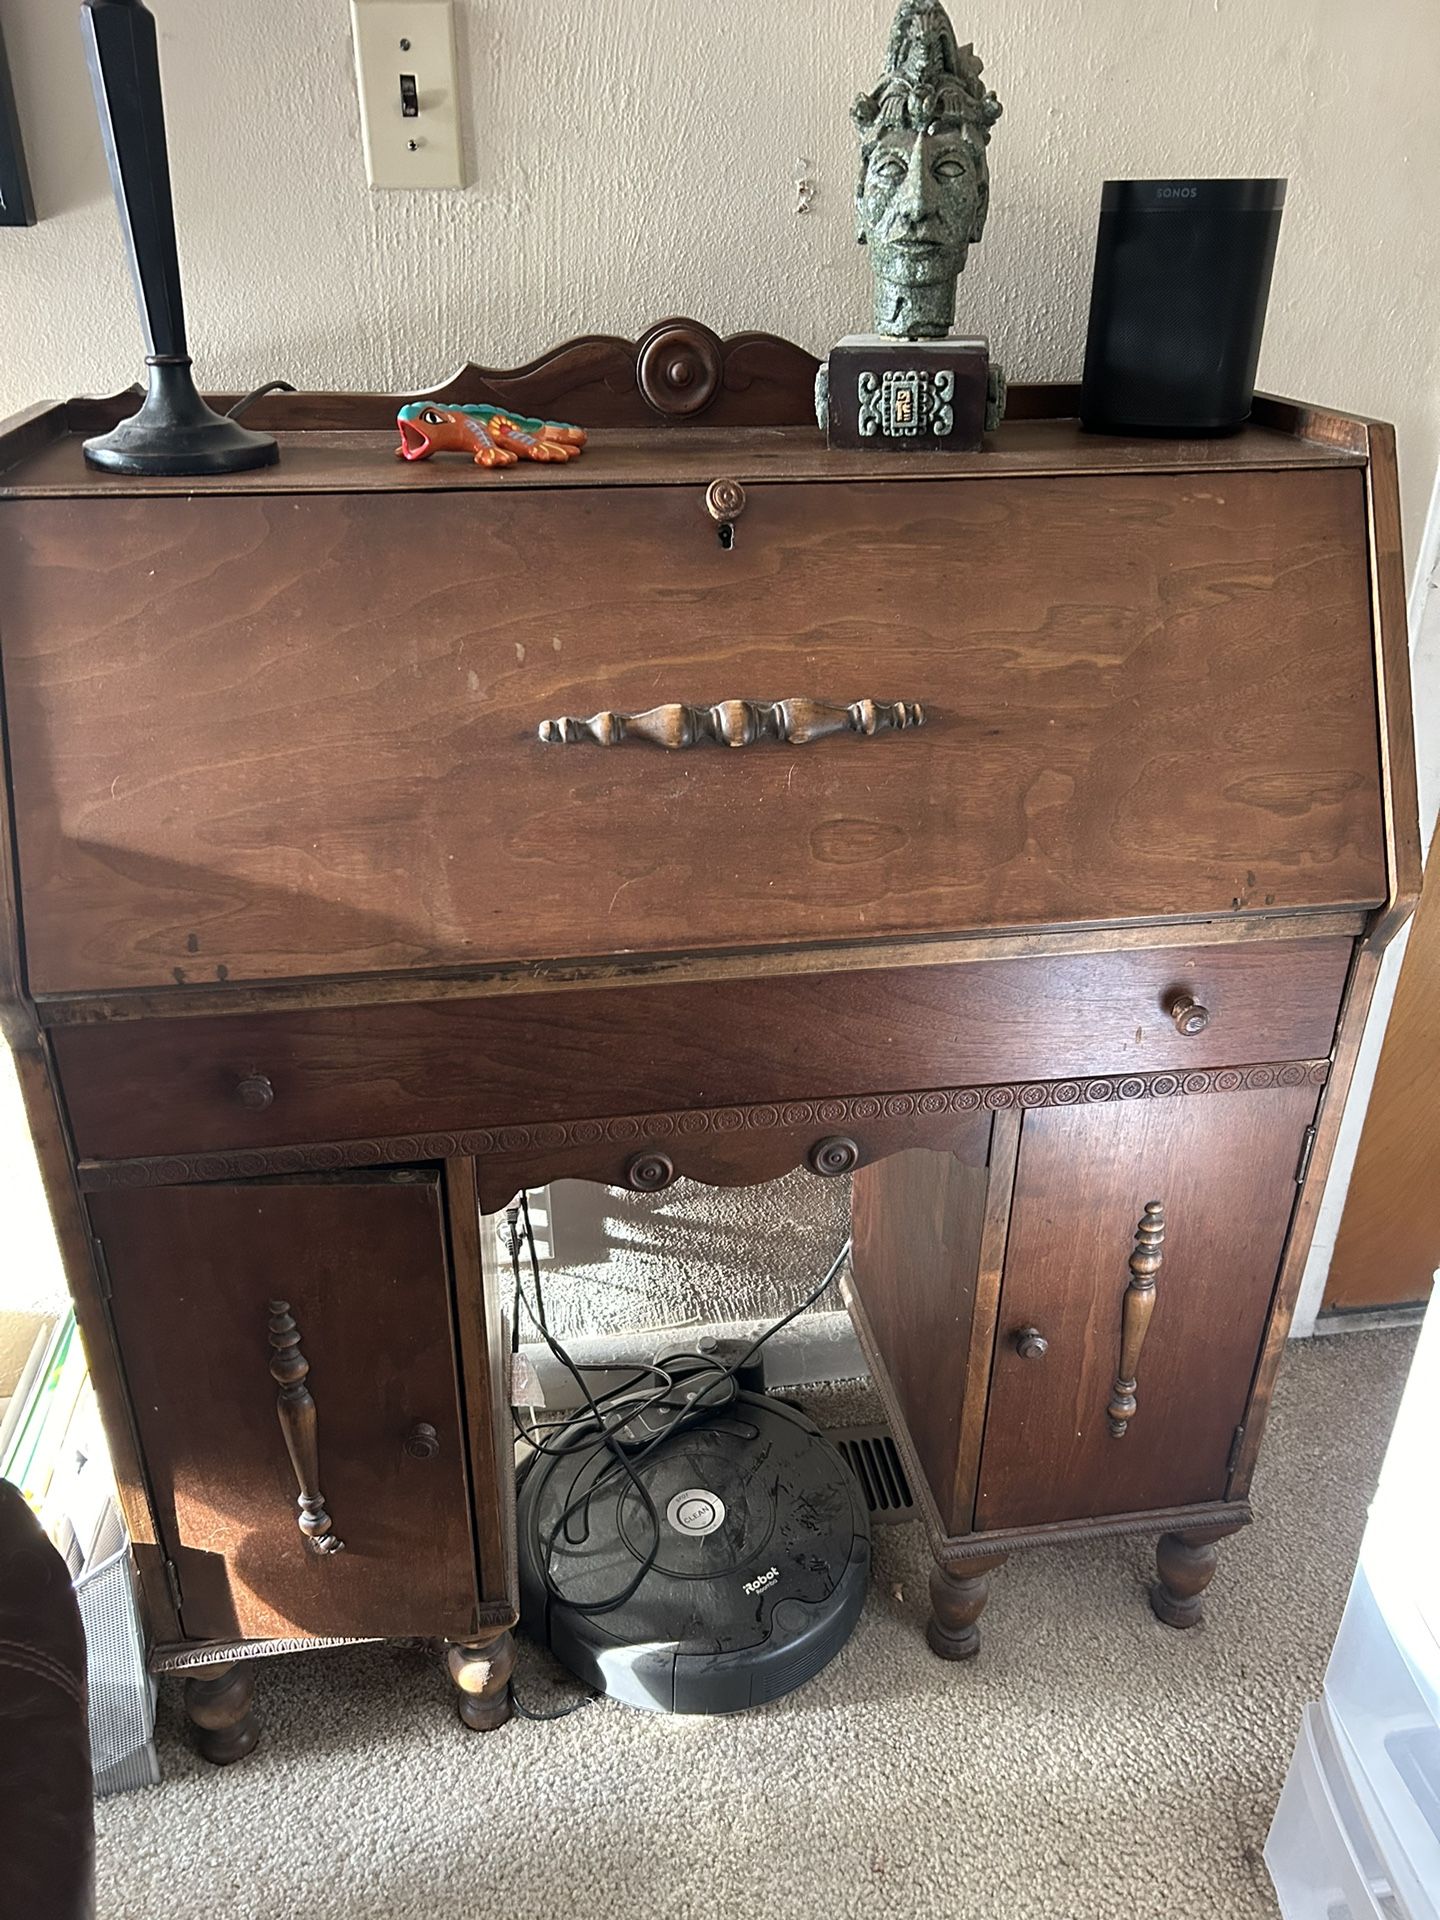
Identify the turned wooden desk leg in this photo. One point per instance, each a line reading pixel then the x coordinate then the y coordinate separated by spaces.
pixel 958 1592
pixel 1186 1563
pixel 218 1702
pixel 481 1671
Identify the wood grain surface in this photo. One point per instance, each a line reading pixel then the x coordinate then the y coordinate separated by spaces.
pixel 507 980
pixel 1225 1173
pixel 361 1259
pixel 341 460
pixel 918 1222
pixel 766 382
pixel 1388 1246
pixel 482 1326
pixel 1349 1034
pixel 162 1087
pixel 249 742
pixel 1392 660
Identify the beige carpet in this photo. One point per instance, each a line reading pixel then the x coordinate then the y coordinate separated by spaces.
pixel 694 1254
pixel 1090 1763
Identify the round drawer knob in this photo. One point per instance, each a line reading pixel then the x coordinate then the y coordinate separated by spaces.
pixel 833 1156
pixel 1188 1014
pixel 1031 1344
pixel 255 1092
pixel 422 1442
pixel 649 1172
pixel 724 500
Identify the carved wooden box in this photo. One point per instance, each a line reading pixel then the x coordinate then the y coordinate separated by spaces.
pixel 1019 830
pixel 920 396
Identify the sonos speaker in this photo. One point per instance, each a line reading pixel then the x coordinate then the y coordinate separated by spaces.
pixel 1177 308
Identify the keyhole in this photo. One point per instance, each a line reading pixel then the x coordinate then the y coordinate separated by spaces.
pixel 727 535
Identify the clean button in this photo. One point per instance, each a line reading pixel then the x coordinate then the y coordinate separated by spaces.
pixel 696 1512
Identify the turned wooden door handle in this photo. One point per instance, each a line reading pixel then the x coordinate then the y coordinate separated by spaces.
pixel 1135 1311
pixel 290 1369
pixel 735 723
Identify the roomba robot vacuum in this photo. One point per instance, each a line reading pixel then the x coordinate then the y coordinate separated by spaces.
pixel 759 1572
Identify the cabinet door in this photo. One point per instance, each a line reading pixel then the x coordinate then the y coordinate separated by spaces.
pixel 1223 1167
pixel 361 1261
pixel 928 1229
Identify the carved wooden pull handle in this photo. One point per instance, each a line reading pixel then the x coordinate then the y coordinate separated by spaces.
pixel 735 723
pixel 1139 1304
pixel 290 1369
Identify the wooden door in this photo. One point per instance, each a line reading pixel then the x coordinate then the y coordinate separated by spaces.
pixel 1223 1166
pixel 928 1233
pixel 361 1261
pixel 1388 1246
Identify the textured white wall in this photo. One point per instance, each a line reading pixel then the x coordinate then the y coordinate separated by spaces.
pixel 632 158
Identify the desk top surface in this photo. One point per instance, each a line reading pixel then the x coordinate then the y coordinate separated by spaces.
pixel 42 464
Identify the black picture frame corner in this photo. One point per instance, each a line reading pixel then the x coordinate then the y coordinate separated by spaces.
pixel 17 201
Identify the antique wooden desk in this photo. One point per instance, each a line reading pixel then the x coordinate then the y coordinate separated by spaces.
pixel 313 946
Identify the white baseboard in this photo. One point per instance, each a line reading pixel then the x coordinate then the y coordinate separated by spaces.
pixel 817 1348
pixel 1381 1320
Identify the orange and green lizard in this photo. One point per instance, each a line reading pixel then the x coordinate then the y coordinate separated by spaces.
pixel 490 435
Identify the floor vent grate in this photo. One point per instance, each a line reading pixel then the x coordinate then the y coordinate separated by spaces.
pixel 872 1456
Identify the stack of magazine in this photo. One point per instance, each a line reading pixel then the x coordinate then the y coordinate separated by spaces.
pixel 52 1448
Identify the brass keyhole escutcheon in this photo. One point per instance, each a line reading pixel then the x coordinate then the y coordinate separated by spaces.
pixel 725 502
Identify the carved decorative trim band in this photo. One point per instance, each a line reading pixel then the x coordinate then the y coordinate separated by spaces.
pixel 638 1130
pixel 223 1653
pixel 734 723
pixel 1231 1515
pixel 181 1656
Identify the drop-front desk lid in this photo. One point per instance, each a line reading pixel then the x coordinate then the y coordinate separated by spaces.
pixel 293 723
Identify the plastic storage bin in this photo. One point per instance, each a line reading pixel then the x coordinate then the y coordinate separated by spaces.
pixel 1321 1855
pixel 1382 1686
pixel 1381 1692
pixel 1358 1828
pixel 122 1692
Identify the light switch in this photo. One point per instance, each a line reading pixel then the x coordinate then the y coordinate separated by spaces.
pixel 409 104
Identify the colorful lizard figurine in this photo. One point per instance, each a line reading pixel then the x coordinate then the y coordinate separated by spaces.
pixel 493 437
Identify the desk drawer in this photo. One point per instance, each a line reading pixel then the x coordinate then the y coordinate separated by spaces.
pixel 357 1073
pixel 264 737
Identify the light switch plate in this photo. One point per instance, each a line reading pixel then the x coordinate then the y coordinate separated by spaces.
pixel 407 48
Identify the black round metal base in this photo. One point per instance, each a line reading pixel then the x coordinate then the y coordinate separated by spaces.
pixel 175 433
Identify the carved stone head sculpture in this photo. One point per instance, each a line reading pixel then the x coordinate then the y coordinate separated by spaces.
pixel 924 185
